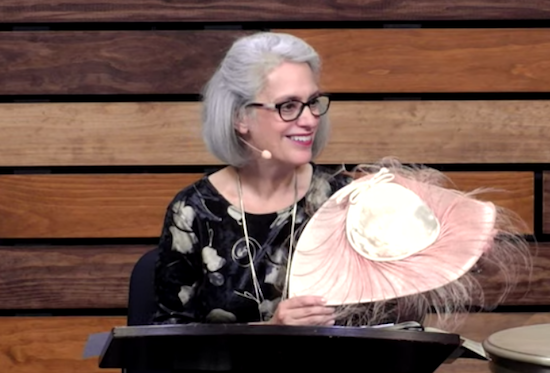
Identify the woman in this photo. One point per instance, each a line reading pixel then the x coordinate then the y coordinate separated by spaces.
pixel 265 117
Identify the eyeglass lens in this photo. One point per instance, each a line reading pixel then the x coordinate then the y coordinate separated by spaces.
pixel 293 109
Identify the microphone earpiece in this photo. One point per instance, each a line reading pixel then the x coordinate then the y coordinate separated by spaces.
pixel 266 154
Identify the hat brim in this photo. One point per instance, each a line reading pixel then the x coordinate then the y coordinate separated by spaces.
pixel 325 264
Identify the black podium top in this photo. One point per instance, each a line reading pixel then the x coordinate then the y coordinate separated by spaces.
pixel 271 348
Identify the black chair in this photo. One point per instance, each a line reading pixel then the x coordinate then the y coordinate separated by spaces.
pixel 141 297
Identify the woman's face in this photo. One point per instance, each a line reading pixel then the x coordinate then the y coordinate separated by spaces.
pixel 289 142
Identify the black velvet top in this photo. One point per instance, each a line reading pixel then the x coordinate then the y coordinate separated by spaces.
pixel 203 273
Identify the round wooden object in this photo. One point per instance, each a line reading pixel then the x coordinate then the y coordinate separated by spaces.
pixel 523 349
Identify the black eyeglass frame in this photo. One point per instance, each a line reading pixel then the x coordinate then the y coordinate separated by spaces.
pixel 303 105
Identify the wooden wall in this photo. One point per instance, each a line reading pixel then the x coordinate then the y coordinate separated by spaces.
pixel 99 128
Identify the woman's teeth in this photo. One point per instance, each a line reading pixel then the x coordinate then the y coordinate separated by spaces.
pixel 301 138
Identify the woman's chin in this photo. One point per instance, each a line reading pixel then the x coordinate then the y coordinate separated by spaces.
pixel 300 159
pixel 294 158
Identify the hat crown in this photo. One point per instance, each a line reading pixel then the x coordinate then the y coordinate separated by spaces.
pixel 386 221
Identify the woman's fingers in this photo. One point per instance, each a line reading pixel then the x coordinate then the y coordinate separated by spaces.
pixel 303 313
pixel 307 315
pixel 304 301
pixel 304 310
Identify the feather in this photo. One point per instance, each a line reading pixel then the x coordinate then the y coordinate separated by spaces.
pixel 421 273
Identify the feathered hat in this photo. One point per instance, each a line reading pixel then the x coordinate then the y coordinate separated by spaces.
pixel 397 234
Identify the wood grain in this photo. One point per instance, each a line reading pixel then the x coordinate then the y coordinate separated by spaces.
pixel 354 60
pixel 464 366
pixel 532 288
pixel 512 190
pixel 97 134
pixel 266 10
pixel 169 133
pixel 133 205
pixel 111 62
pixel 55 344
pixel 451 132
pixel 479 327
pixel 73 277
pixel 51 344
pixel 432 60
pixel 86 277
pixel 83 206
pixel 67 277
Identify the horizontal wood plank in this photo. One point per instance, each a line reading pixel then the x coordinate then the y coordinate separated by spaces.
pixel 531 288
pixel 55 344
pixel 464 366
pixel 432 60
pixel 134 205
pixel 111 62
pixel 84 206
pixel 97 134
pixel 480 326
pixel 266 10
pixel 51 344
pixel 514 191
pixel 67 277
pixel 375 60
pixel 72 277
pixel 169 133
pixel 451 132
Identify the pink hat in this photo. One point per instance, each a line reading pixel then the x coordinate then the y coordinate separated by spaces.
pixel 391 234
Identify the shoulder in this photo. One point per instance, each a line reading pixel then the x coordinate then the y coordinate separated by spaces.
pixel 194 195
pixel 188 192
pixel 325 181
pixel 334 177
pixel 199 200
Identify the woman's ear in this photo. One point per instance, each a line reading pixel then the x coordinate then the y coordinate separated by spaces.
pixel 241 127
pixel 241 122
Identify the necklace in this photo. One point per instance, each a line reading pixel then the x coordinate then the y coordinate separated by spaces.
pixel 259 298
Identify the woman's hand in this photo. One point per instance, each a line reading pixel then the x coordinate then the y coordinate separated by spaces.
pixel 303 310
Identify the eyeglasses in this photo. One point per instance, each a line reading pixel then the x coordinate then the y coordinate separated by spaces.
pixel 292 109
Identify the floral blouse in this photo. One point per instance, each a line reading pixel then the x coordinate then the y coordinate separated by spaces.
pixel 203 272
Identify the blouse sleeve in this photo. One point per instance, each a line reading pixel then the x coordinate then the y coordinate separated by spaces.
pixel 178 271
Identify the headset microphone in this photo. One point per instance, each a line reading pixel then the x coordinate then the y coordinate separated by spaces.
pixel 266 154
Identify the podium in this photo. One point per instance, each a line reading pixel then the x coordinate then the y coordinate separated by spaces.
pixel 273 348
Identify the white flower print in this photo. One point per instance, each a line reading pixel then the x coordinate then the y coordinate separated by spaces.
pixel 186 293
pixel 272 274
pixel 319 192
pixel 300 216
pixel 267 308
pixel 273 270
pixel 218 315
pixel 282 217
pixel 211 258
pixel 183 237
pixel 183 216
pixel 235 214
pixel 182 241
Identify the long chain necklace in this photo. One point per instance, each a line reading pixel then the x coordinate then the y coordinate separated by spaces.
pixel 259 298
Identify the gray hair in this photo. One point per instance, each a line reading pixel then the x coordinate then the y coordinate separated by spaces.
pixel 239 78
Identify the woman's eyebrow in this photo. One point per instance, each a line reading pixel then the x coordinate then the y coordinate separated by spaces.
pixel 296 98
